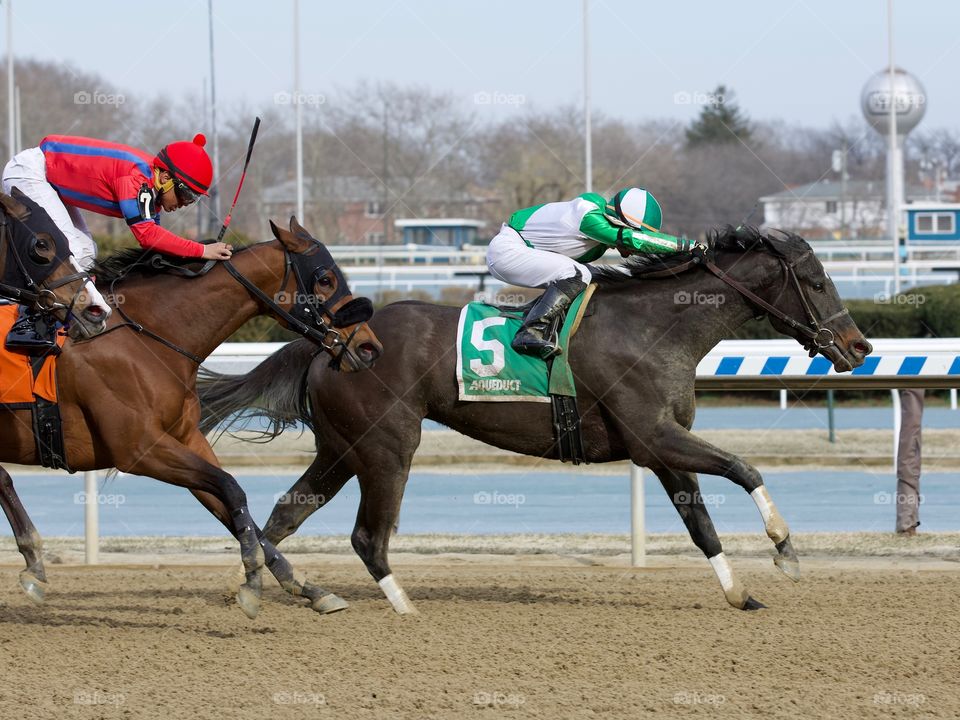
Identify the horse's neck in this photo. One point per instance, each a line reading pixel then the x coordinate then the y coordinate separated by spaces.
pixel 704 309
pixel 201 313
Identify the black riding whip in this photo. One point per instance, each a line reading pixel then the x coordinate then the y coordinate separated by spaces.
pixel 246 163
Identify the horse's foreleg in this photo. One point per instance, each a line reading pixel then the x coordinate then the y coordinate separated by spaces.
pixel 290 580
pixel 380 500
pixel 684 492
pixel 33 579
pixel 166 459
pixel 680 449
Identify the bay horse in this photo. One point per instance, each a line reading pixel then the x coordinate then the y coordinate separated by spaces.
pixel 634 360
pixel 128 397
pixel 38 271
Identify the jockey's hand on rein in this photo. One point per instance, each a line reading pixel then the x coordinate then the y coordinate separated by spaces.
pixel 699 251
pixel 217 251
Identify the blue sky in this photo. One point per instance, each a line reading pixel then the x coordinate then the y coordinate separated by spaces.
pixel 802 61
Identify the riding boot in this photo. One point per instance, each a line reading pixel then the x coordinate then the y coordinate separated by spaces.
pixel 32 334
pixel 538 335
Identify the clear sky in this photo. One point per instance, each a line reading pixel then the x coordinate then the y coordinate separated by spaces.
pixel 802 61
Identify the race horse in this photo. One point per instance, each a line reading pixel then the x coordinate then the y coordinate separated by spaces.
pixel 38 271
pixel 634 360
pixel 128 397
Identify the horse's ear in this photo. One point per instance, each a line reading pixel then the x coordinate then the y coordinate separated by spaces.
pixel 290 240
pixel 13 206
pixel 296 228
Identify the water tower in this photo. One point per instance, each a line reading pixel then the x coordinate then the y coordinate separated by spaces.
pixel 910 104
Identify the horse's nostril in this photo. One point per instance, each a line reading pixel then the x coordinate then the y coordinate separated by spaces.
pixel 94 311
pixel 862 348
pixel 368 352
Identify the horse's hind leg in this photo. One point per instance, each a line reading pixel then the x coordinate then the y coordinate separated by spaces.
pixel 684 492
pixel 680 449
pixel 33 579
pixel 380 499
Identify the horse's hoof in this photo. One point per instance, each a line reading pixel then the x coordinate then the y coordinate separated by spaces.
pixel 249 601
pixel 752 604
pixel 35 588
pixel 787 560
pixel 329 603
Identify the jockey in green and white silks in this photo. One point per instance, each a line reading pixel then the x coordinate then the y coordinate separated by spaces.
pixel 547 246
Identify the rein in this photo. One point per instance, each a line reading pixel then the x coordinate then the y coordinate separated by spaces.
pixel 815 330
pixel 321 334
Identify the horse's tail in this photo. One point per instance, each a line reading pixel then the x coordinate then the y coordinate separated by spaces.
pixel 274 391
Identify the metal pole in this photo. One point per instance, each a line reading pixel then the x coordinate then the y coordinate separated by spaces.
pixel 91 516
pixel 638 533
pixel 953 398
pixel 298 105
pixel 893 181
pixel 11 120
pixel 830 421
pixel 783 399
pixel 18 125
pixel 587 131
pixel 895 394
pixel 215 188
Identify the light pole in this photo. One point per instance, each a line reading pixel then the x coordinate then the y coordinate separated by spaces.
pixel 587 140
pixel 298 107
pixel 11 118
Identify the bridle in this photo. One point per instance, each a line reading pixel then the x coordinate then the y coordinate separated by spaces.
pixel 318 329
pixel 311 316
pixel 819 336
pixel 36 293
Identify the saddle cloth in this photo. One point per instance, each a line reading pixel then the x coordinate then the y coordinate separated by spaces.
pixel 489 370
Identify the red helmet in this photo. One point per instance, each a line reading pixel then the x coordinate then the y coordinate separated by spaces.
pixel 189 163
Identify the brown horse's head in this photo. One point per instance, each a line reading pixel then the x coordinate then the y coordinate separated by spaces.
pixel 36 258
pixel 321 298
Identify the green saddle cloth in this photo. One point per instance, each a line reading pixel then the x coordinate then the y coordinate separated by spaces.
pixel 488 369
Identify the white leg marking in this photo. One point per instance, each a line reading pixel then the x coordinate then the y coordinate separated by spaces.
pixel 764 503
pixel 397 596
pixel 721 566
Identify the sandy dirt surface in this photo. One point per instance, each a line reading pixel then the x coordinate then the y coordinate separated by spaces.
pixel 498 636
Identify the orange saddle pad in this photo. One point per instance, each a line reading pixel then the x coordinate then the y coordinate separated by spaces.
pixel 19 381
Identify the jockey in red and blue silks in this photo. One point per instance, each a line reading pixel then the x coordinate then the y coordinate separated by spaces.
pixel 66 174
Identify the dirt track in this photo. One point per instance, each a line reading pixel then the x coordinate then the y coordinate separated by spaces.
pixel 536 639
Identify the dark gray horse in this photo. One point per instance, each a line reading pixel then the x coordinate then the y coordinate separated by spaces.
pixel 634 358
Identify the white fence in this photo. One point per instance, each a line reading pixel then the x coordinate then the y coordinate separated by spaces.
pixel 732 365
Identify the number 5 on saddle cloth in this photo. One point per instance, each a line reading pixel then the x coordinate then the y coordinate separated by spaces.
pixel 489 370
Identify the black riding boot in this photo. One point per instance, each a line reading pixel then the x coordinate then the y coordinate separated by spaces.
pixel 32 334
pixel 539 333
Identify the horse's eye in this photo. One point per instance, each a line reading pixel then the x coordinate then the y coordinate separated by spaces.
pixel 324 281
pixel 39 250
pixel 818 287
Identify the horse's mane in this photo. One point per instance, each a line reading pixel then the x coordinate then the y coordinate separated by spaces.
pixel 723 239
pixel 130 263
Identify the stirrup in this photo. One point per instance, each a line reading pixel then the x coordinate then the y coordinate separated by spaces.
pixel 31 335
pixel 544 344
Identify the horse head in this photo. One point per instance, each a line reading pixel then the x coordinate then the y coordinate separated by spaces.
pixel 797 295
pixel 37 261
pixel 321 300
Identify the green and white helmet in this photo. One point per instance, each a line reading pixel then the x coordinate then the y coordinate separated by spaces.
pixel 637 208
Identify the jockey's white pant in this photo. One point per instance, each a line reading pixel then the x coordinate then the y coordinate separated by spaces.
pixel 27 171
pixel 512 261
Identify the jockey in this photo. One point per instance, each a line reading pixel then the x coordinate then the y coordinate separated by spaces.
pixel 547 246
pixel 66 174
